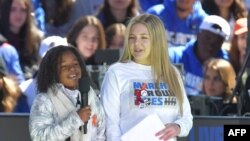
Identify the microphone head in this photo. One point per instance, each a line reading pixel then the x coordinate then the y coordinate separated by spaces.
pixel 84 84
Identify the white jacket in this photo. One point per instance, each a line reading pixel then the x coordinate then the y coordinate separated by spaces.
pixel 47 123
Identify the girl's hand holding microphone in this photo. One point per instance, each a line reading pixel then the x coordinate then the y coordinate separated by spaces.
pixel 84 113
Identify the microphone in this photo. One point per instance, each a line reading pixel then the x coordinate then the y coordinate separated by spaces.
pixel 84 86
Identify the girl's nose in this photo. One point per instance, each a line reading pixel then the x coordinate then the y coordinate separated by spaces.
pixel 137 41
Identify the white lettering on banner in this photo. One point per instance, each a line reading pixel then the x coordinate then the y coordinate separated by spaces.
pixel 193 82
pixel 179 38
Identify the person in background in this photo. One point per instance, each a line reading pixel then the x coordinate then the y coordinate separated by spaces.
pixel 230 10
pixel 58 14
pixel 11 59
pixel 218 84
pixel 55 17
pixel 238 53
pixel 181 19
pixel 244 98
pixel 238 47
pixel 214 30
pixel 18 27
pixel 219 79
pixel 90 6
pixel 88 35
pixel 142 75
pixel 56 113
pixel 115 35
pixel 145 4
pixel 28 87
pixel 117 11
pixel 38 13
pixel 11 98
pixel 247 4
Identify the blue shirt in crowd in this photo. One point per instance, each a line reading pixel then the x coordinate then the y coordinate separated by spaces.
pixel 193 68
pixel 179 31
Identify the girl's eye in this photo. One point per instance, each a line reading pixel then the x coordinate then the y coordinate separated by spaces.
pixel 76 64
pixel 131 37
pixel 84 36
pixel 64 68
pixel 206 77
pixel 217 79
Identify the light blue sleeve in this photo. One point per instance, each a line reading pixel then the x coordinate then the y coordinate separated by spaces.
pixel 12 62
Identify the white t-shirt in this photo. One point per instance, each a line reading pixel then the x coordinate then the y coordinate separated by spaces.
pixel 128 95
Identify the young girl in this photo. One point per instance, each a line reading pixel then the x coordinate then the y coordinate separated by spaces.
pixel 56 113
pixel 219 79
pixel 115 35
pixel 87 35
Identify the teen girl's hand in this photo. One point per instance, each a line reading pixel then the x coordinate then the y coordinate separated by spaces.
pixel 171 130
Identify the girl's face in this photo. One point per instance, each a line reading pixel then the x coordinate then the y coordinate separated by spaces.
pixel 242 44
pixel 117 42
pixel 18 15
pixel 87 41
pixel 119 4
pixel 69 70
pixel 139 44
pixel 223 3
pixel 213 85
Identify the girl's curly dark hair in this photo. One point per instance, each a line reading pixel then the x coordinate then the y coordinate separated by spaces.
pixel 47 74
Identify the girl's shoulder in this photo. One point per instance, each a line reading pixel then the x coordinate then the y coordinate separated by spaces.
pixel 42 99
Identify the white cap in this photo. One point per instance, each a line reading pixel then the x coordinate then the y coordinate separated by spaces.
pixel 50 42
pixel 217 25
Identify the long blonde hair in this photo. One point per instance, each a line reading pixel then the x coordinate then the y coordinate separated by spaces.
pixel 163 70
